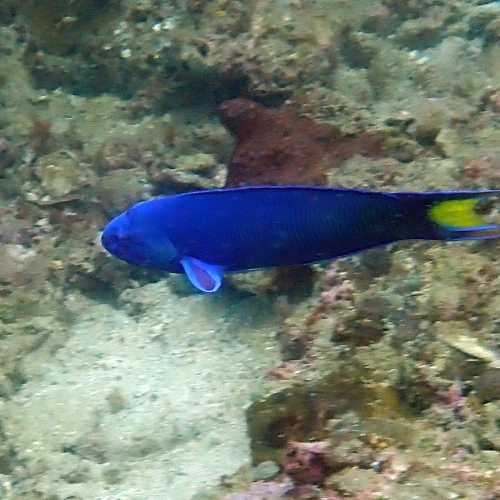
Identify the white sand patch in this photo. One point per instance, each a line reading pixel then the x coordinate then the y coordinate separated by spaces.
pixel 145 407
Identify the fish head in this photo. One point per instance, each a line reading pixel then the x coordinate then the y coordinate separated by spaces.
pixel 130 237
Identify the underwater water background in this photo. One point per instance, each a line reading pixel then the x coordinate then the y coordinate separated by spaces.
pixel 373 377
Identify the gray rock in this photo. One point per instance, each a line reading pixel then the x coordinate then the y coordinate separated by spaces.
pixel 265 471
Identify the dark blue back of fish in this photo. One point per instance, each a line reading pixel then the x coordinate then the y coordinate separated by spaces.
pixel 252 228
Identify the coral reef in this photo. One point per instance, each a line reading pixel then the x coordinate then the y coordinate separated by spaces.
pixel 372 449
pixel 373 377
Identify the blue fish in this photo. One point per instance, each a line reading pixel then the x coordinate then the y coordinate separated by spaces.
pixel 205 234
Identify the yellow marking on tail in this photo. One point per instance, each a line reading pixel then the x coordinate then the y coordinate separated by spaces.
pixel 456 213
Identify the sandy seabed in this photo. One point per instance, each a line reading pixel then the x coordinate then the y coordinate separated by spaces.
pixel 144 406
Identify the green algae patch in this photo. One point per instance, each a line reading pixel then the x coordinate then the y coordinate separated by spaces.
pixel 301 411
pixel 59 26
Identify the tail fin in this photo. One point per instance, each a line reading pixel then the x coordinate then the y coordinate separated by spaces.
pixel 453 215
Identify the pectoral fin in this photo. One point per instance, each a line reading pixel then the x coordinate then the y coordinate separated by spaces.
pixel 205 277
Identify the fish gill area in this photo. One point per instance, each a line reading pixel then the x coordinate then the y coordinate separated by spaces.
pixel 373 377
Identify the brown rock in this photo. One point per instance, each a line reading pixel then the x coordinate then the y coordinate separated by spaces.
pixel 277 146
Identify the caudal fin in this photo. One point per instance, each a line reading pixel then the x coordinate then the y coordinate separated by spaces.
pixel 451 215
pixel 456 217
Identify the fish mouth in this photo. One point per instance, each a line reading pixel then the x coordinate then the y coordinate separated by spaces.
pixel 123 248
pixel 107 242
pixel 99 243
pixel 114 234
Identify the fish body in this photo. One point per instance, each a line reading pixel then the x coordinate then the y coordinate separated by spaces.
pixel 207 233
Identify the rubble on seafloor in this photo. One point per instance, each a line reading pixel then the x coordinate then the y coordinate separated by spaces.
pixel 382 369
pixel 396 382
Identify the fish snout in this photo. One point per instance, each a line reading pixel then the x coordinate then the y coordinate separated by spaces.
pixel 110 241
pixel 116 234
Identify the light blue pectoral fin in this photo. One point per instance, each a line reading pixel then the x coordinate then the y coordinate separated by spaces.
pixel 205 277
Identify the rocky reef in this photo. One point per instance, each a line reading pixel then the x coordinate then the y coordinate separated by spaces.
pixel 276 146
pixel 373 377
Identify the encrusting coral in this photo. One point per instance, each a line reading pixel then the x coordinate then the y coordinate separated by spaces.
pixel 277 146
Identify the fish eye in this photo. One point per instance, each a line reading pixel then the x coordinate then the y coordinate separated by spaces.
pixel 119 238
